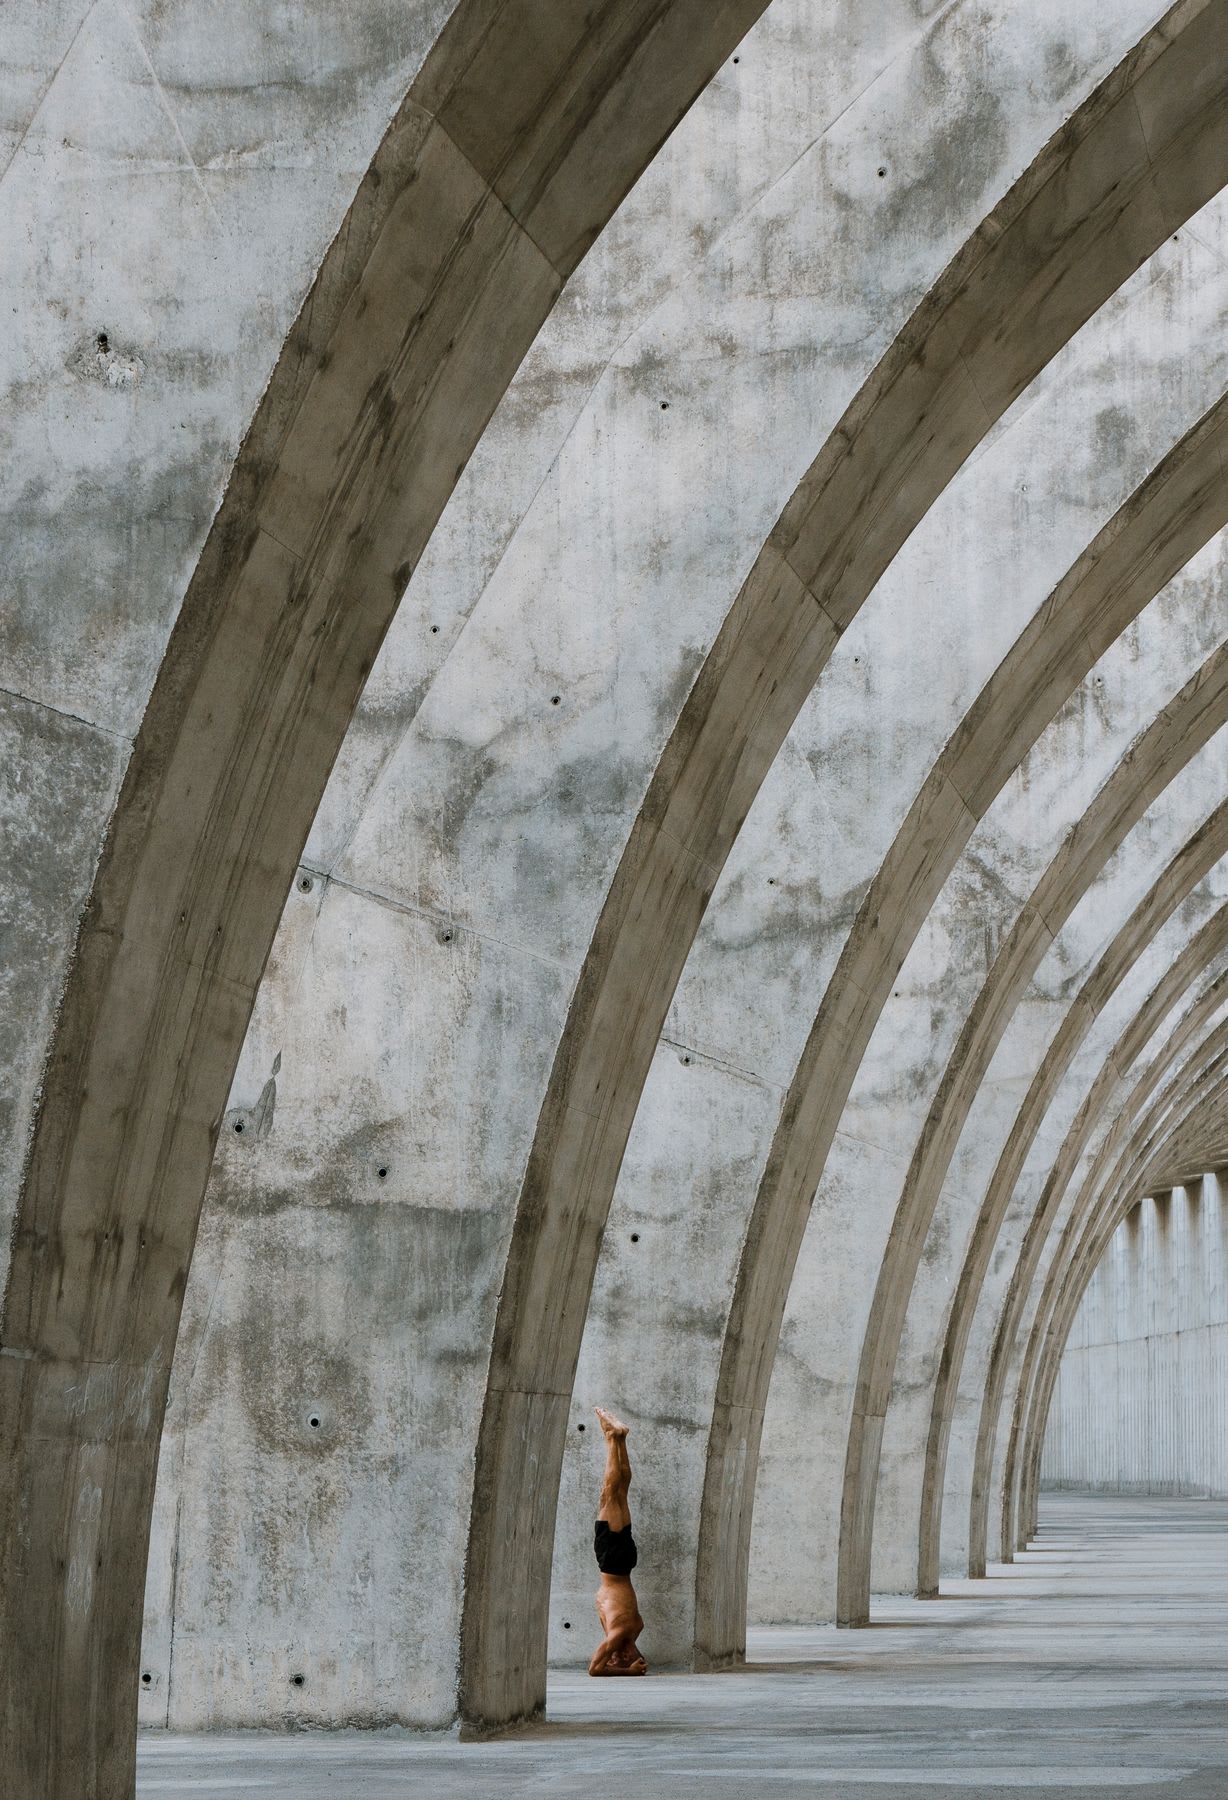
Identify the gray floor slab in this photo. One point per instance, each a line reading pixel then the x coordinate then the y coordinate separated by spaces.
pixel 1095 1664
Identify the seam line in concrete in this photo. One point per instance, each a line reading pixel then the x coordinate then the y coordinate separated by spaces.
pixel 62 712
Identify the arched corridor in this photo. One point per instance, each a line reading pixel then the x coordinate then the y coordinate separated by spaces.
pixel 1138 1403
pixel 1095 1664
pixel 613 751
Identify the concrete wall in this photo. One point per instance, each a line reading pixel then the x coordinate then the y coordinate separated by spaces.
pixel 332 1381
pixel 799 1494
pixel 468 837
pixel 1140 1405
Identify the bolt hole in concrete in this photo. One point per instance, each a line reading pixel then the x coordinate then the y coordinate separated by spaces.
pixel 305 884
pixel 445 937
pixel 382 1173
pixel 635 1237
pixel 314 1421
pixel 665 406
pixel 434 630
pixel 566 1624
pixel 881 174
pixel 146 1679
pixel 238 1125
pixel 298 1680
pixel 579 1428
pixel 555 698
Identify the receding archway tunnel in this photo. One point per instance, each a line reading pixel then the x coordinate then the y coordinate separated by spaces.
pixel 630 527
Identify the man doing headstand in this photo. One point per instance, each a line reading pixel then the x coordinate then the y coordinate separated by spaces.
pixel 617 1653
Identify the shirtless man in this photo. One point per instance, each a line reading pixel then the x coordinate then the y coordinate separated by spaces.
pixel 617 1653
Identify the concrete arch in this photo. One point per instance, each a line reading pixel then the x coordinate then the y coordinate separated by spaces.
pixel 1130 560
pixel 1166 1128
pixel 797 1500
pixel 515 143
pixel 526 868
pixel 1209 1106
pixel 783 907
pixel 1153 760
pixel 1192 1161
pixel 1210 942
pixel 1203 948
pixel 1156 1134
pixel 1180 878
pixel 1148 766
pixel 519 863
pixel 1157 1137
pixel 1090 208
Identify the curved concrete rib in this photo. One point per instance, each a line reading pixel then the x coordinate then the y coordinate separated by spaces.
pixel 1194 1160
pixel 1014 1371
pixel 1207 943
pixel 1198 1100
pixel 1155 534
pixel 1179 879
pixel 1117 1204
pixel 1146 149
pixel 1165 522
pixel 517 140
pixel 1067 1277
pixel 1003 1355
pixel 1211 941
pixel 1154 759
pixel 1192 1099
pixel 1170 1125
pixel 1150 763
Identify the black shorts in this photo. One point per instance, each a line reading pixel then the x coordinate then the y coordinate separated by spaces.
pixel 615 1550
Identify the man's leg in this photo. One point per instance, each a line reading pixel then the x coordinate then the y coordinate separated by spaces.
pixel 617 1478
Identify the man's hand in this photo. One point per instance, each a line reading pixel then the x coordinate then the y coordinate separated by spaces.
pixel 617 1655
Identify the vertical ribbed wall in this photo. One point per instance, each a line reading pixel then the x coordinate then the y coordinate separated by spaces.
pixel 1139 1406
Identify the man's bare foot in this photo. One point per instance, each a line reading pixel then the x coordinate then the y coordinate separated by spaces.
pixel 609 1424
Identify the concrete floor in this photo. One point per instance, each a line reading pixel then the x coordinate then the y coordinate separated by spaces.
pixel 1098 1663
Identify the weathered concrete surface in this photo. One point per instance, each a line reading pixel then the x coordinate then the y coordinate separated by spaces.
pixel 773 934
pixel 515 143
pixel 459 872
pixel 1138 1406
pixel 799 1481
pixel 130 373
pixel 1158 755
pixel 1011 1234
pixel 1094 1665
pixel 1171 1125
pixel 979 1309
pixel 438 945
pixel 1193 1107
pixel 986 897
pixel 1005 305
pixel 437 840
pixel 1044 1248
pixel 1121 575
pixel 1025 1363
